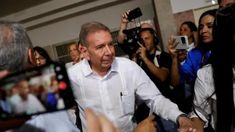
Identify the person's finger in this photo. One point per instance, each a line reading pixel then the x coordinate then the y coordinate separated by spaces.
pixel 139 44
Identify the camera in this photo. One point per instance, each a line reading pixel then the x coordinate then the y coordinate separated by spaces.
pixel 135 13
pixel 132 35
pixel 132 39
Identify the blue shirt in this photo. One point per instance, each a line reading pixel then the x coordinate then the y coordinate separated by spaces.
pixel 194 61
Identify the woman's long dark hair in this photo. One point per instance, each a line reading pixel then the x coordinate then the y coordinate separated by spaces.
pixel 223 60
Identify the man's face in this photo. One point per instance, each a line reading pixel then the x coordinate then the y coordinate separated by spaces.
pixel 74 52
pixel 100 50
pixel 23 88
pixel 148 40
pixel 205 28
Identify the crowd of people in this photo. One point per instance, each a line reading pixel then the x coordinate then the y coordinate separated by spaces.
pixel 184 90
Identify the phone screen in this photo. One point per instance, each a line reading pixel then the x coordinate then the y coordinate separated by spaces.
pixel 34 91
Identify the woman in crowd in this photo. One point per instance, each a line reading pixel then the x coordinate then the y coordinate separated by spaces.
pixel 215 85
pixel 185 74
pixel 189 29
pixel 41 56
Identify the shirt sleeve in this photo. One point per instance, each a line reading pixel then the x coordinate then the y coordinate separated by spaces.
pixel 149 93
pixel 202 92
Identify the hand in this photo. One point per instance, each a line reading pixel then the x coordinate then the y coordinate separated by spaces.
pixel 142 52
pixel 147 125
pixel 124 17
pixel 3 73
pixel 172 47
pixel 98 123
pixel 186 125
pixel 198 124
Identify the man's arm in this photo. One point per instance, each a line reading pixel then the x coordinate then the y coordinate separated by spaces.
pixel 148 92
pixel 175 75
pixel 123 25
pixel 159 72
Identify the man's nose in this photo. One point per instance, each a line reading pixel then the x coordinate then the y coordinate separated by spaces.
pixel 108 49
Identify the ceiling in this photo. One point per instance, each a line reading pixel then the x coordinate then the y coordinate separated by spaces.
pixel 11 6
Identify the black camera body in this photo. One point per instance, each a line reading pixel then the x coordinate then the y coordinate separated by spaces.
pixel 132 39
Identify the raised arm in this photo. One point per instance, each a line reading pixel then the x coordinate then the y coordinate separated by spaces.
pixel 123 25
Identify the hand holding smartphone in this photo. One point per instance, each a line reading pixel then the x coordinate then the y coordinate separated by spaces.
pixel 35 91
pixel 181 41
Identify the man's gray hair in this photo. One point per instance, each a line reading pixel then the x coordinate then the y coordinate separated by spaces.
pixel 14 45
pixel 91 27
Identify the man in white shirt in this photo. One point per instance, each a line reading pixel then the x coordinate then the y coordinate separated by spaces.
pixel 110 85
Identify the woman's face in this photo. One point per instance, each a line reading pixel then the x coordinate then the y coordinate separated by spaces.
pixel 185 30
pixel 40 60
pixel 205 28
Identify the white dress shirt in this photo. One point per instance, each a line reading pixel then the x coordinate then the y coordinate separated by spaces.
pixel 115 93
pixel 30 106
pixel 69 64
pixel 204 88
pixel 51 122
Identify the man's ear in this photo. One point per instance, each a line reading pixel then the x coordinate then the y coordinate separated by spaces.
pixel 84 52
pixel 31 57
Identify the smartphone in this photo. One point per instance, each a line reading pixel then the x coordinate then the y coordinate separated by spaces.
pixel 135 13
pixel 182 42
pixel 35 91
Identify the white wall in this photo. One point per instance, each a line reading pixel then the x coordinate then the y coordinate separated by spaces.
pixel 68 29
pixel 183 5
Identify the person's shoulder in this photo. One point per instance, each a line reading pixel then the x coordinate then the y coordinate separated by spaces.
pixel 76 68
pixel 121 60
pixel 194 50
pixel 125 63
pixel 69 64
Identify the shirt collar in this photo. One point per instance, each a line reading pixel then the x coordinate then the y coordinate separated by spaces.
pixel 88 71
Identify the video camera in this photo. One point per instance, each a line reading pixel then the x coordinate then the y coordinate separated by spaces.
pixel 132 35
